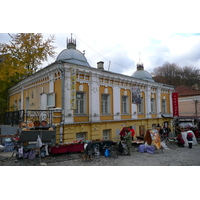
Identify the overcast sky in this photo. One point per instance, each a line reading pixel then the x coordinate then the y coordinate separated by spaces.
pixel 123 52
pixel 115 31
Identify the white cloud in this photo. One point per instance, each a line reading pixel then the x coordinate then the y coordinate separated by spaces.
pixel 122 49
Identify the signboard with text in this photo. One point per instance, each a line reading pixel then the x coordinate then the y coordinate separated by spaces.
pixel 136 99
pixel 175 104
pixel 73 88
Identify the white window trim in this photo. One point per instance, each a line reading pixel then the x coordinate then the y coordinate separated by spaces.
pixel 126 105
pixel 153 105
pixel 165 106
pixel 77 104
pixel 53 99
pixel 142 106
pixel 106 134
pixel 108 104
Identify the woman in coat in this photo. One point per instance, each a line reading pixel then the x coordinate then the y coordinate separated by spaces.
pixel 180 140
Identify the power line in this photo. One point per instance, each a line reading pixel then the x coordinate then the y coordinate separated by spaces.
pixel 99 53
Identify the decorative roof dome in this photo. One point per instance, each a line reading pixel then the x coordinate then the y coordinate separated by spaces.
pixel 72 55
pixel 142 74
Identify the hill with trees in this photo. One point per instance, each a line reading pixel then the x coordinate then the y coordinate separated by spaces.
pixel 172 74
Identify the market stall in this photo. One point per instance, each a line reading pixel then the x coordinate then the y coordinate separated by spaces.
pixel 77 146
pixel 66 148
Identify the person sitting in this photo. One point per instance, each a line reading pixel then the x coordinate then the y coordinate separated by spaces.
pixel 180 140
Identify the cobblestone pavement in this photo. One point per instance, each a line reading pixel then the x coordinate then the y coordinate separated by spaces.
pixel 174 157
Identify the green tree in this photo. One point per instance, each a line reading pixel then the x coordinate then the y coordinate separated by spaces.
pixel 21 58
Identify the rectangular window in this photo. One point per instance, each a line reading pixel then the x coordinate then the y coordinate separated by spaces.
pixel 80 107
pixel 51 99
pixel 81 136
pixel 27 103
pixel 163 109
pixel 19 104
pixel 15 105
pixel 141 106
pixel 124 104
pixel 105 103
pixel 153 105
pixel 153 126
pixel 106 134
pixel 142 130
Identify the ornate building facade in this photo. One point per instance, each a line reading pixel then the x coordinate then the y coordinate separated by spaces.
pixel 90 102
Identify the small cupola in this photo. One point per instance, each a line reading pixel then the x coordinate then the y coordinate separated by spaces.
pixel 71 43
pixel 140 66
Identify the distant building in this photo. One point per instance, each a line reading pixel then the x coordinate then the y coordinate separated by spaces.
pixel 189 105
pixel 85 102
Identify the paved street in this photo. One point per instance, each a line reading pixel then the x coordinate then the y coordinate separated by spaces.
pixel 176 156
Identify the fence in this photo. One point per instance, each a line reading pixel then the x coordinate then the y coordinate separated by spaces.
pixel 14 118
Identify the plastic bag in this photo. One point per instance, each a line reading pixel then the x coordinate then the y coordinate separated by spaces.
pixel 39 142
pixel 150 149
pixel 32 154
pixel 142 148
pixel 107 153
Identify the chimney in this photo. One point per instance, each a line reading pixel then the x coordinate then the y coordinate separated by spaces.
pixel 100 65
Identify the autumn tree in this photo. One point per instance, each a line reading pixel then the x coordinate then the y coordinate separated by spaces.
pixel 21 58
pixel 25 53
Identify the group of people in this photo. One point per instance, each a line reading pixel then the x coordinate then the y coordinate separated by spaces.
pixel 127 134
pixel 190 131
pixel 164 132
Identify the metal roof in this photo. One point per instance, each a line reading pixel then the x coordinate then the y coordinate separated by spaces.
pixel 143 74
pixel 73 56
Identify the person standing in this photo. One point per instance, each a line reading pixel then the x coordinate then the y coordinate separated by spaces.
pixel 167 131
pixel 132 132
pixel 190 139
pixel 122 133
pixel 180 140
pixel 128 139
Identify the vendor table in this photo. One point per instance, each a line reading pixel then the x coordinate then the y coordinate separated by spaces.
pixel 137 142
pixel 66 148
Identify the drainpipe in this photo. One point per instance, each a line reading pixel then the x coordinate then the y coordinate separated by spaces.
pixel 62 69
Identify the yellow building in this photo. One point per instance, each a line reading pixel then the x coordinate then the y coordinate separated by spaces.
pixel 85 102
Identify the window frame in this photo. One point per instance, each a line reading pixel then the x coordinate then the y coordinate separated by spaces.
pixel 84 134
pixel 105 104
pixel 106 134
pixel 124 104
pixel 163 106
pixel 53 102
pixel 78 104
pixel 141 106
pixel 153 105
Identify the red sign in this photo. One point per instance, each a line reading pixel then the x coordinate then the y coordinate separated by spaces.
pixel 175 104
